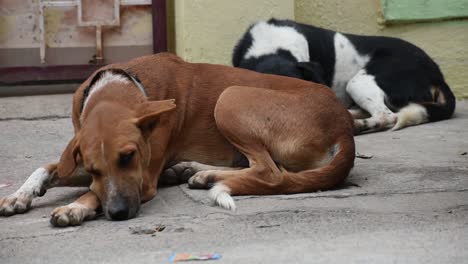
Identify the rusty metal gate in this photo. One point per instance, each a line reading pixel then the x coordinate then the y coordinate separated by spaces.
pixel 94 15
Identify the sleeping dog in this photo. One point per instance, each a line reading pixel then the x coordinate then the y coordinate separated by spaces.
pixel 392 82
pixel 237 131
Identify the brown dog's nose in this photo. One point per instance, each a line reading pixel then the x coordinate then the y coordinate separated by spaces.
pixel 118 209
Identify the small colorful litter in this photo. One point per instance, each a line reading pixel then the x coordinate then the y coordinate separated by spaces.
pixel 2 185
pixel 189 257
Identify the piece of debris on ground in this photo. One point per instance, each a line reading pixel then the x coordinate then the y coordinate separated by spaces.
pixel 138 230
pixel 266 226
pixel 364 156
pixel 189 257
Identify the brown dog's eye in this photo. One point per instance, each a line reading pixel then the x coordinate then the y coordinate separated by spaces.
pixel 126 158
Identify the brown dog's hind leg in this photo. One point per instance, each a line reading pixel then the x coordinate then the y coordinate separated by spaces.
pixel 183 171
pixel 288 138
pixel 84 208
pixel 262 169
pixel 197 175
pixel 247 126
pixel 261 166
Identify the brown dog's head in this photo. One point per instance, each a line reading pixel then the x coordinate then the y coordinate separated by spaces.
pixel 113 146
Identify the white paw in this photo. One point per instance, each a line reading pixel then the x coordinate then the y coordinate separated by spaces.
pixel 221 196
pixel 16 203
pixel 20 201
pixel 71 215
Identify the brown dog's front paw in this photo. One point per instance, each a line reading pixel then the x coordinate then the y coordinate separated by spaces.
pixel 71 215
pixel 201 180
pixel 16 203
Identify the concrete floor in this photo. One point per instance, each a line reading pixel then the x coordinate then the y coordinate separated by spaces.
pixel 407 204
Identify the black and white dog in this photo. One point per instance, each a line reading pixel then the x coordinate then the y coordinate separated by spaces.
pixel 396 83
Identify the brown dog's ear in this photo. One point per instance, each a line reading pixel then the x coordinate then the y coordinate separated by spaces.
pixel 148 114
pixel 68 160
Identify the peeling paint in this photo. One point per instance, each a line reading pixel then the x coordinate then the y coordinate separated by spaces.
pixel 20 32
pixel 102 10
pixel 19 27
pixel 53 23
pixel 6 24
pixel 141 25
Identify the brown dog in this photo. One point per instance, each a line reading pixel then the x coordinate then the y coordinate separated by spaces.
pixel 235 130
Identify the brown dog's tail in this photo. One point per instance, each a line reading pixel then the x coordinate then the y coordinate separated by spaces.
pixel 286 182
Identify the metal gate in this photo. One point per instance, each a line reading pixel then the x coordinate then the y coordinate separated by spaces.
pixel 96 15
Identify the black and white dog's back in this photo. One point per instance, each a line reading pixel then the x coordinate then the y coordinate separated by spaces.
pixel 392 80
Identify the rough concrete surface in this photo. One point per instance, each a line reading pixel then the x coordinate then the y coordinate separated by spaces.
pixel 406 204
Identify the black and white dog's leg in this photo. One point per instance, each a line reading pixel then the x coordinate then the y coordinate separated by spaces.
pixel 196 174
pixel 36 185
pixel 358 113
pixel 365 92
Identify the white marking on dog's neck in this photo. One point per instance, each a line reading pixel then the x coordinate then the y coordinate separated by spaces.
pixel 267 39
pixel 106 78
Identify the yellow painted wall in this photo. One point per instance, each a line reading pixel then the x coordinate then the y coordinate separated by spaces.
pixel 207 30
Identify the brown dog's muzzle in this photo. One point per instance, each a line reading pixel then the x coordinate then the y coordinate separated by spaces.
pixel 120 208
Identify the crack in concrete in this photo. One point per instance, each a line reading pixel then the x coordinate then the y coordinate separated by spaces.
pixel 71 230
pixel 35 118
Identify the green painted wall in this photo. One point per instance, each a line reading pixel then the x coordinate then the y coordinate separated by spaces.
pixel 416 10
